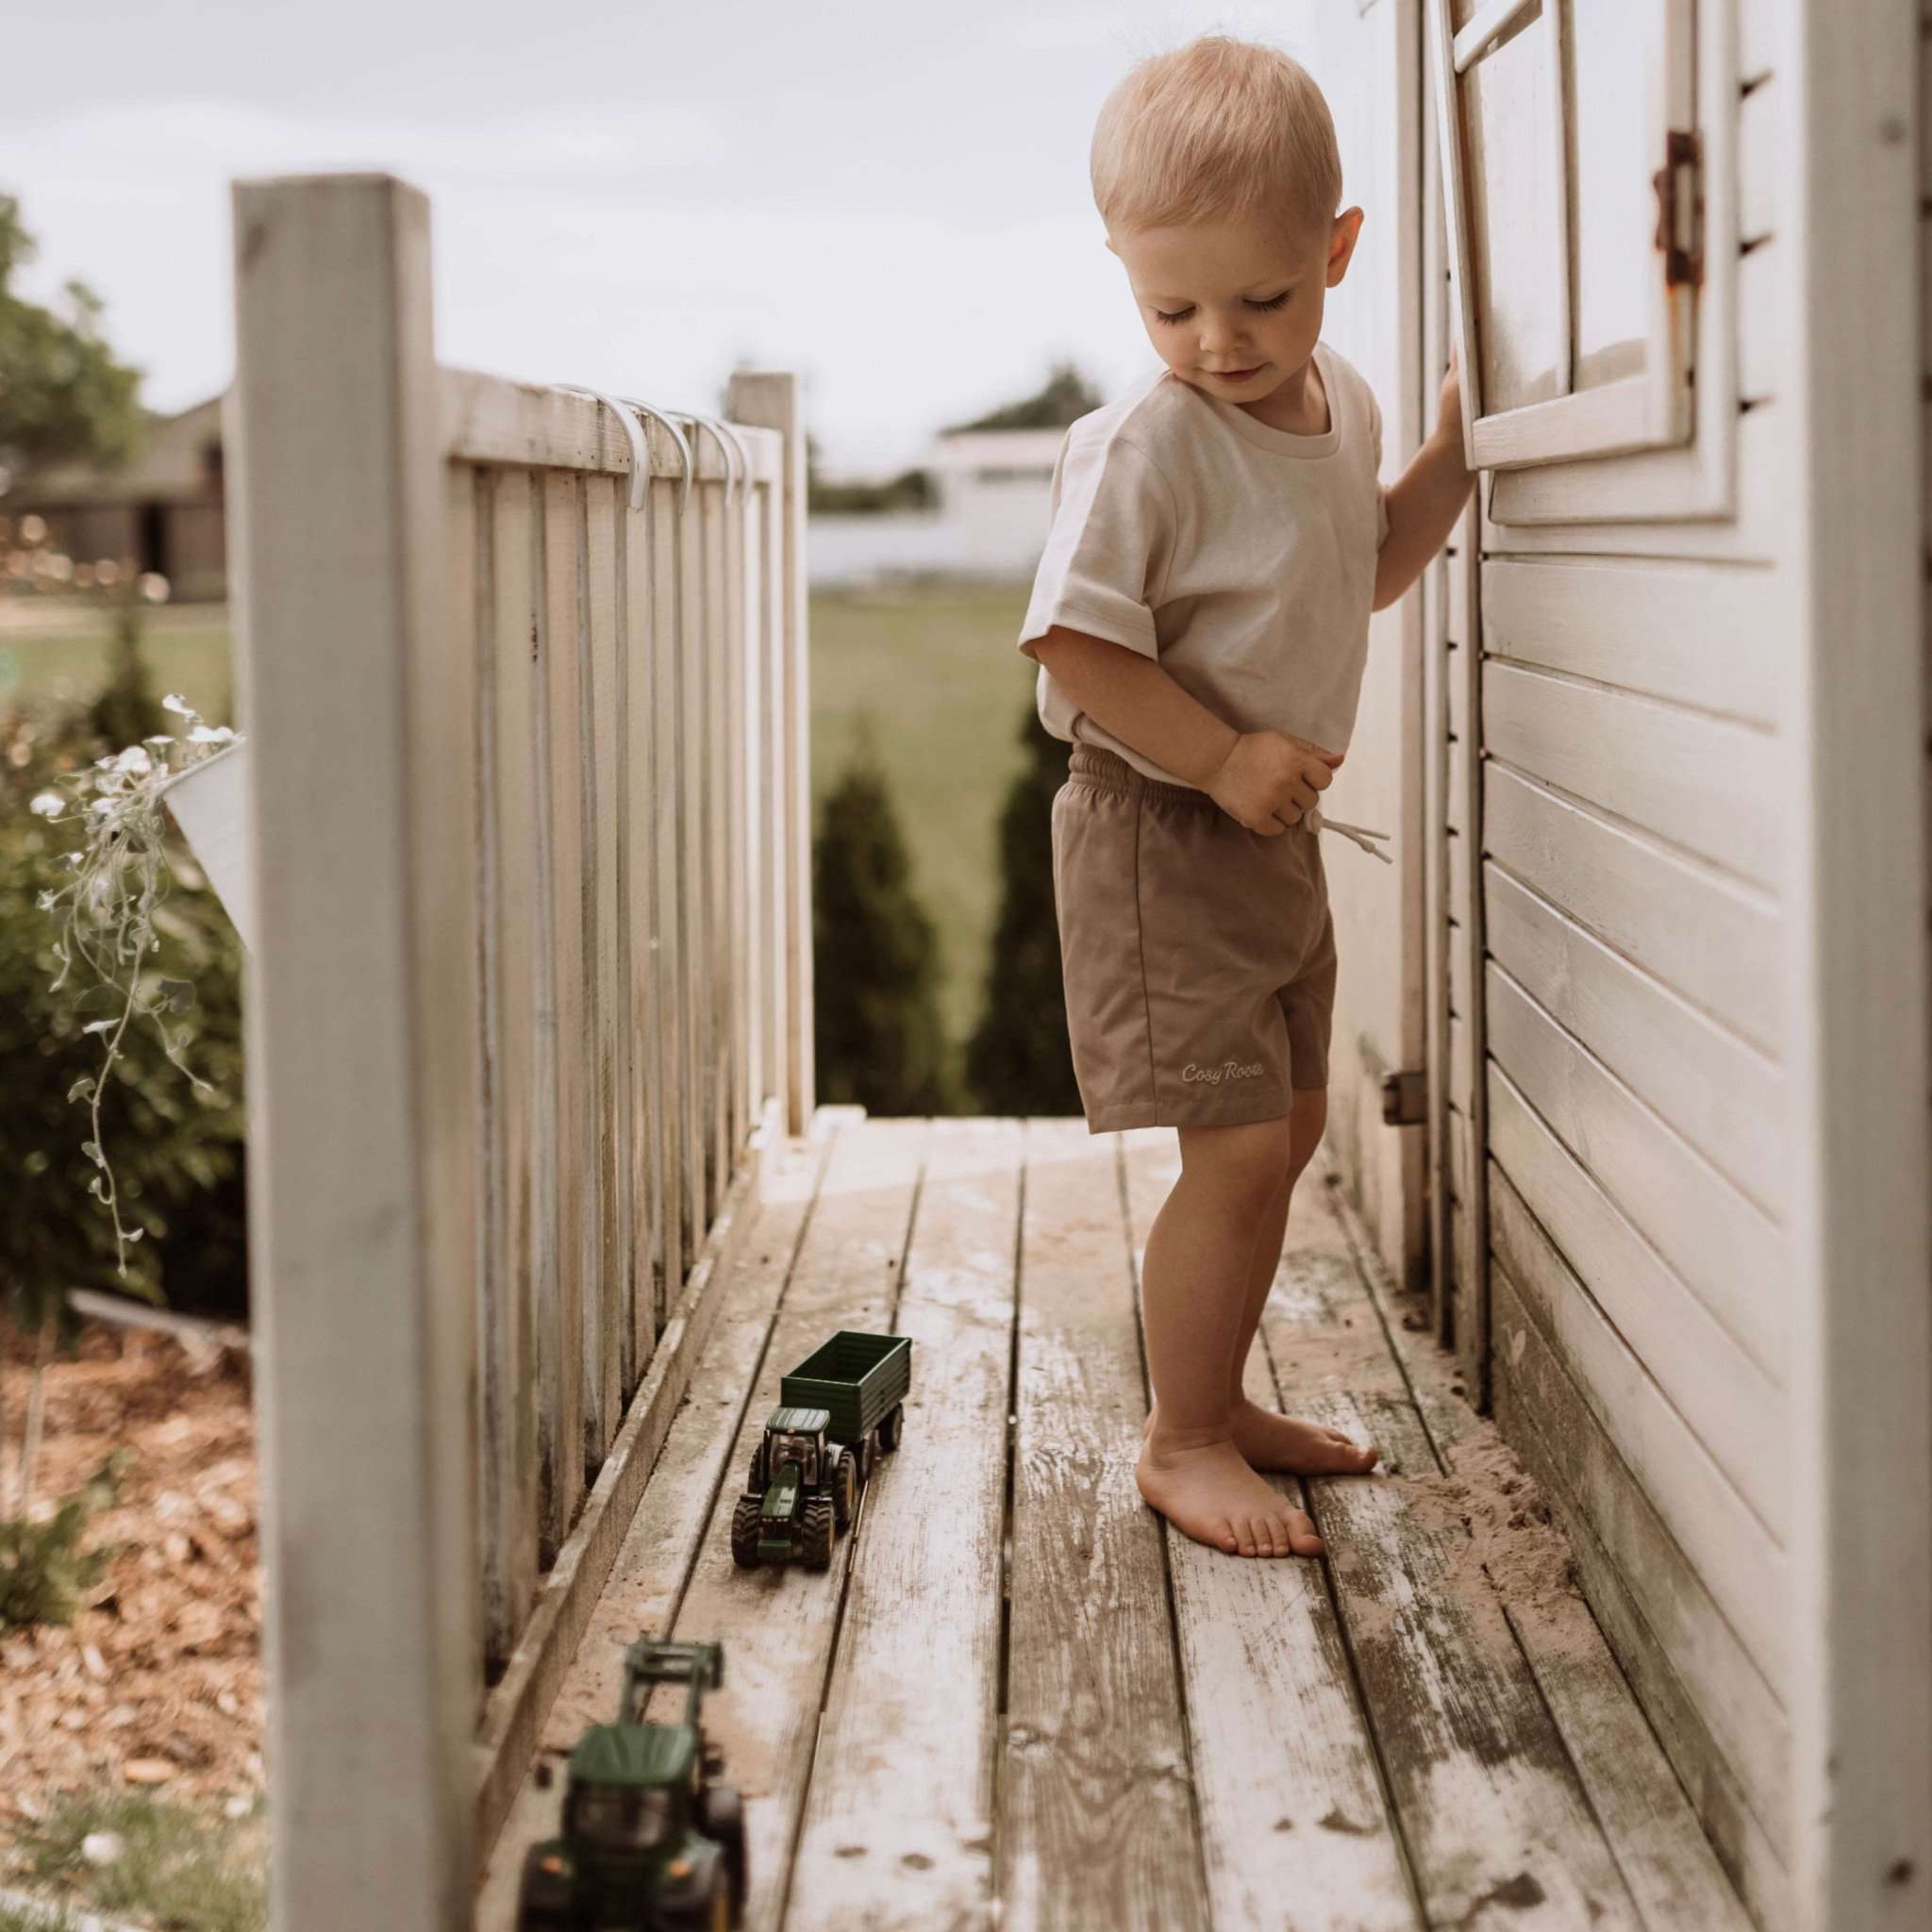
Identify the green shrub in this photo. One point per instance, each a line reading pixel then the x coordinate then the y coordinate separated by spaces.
pixel 1018 1060
pixel 45 1574
pixel 877 1036
pixel 177 1149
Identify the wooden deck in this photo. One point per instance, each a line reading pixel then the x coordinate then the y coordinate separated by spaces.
pixel 1015 1699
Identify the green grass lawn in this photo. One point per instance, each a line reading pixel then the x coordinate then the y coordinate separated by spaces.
pixel 948 693
pixel 936 668
pixel 187 647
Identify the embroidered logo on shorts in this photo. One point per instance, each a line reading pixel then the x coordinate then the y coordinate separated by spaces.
pixel 1227 1070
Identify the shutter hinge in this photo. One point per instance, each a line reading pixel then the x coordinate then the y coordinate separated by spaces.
pixel 1679 187
pixel 1404 1099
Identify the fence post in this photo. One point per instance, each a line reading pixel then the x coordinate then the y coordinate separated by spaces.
pixel 362 1024
pixel 769 399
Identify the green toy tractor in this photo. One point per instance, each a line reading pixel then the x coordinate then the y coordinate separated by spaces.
pixel 839 1409
pixel 651 1841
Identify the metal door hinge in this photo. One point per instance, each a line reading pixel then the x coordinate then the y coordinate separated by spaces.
pixel 1404 1099
pixel 1679 187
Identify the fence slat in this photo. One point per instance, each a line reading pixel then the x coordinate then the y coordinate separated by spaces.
pixel 518 926
pixel 638 778
pixel 710 500
pixel 691 898
pixel 604 849
pixel 565 1018
pixel 672 905
pixel 740 1099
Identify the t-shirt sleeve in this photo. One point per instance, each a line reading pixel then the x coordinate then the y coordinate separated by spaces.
pixel 1107 546
pixel 1381 489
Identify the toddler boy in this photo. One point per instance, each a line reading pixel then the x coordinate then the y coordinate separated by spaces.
pixel 1200 618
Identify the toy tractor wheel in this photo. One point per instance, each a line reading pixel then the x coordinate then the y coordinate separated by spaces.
pixel 745 1532
pixel 816 1542
pixel 892 1428
pixel 713 1913
pixel 868 1456
pixel 721 1819
pixel 845 1489
pixel 537 1912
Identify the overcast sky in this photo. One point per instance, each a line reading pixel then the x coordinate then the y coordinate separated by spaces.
pixel 888 196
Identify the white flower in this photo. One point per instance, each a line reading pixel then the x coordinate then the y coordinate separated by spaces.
pixel 135 758
pixel 206 734
pixel 46 804
pixel 178 705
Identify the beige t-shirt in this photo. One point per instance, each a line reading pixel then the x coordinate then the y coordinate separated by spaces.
pixel 1238 556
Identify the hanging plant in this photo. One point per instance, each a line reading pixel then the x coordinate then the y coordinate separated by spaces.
pixel 106 910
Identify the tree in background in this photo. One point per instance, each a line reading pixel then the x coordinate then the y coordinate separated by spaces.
pixel 910 490
pixel 1018 1060
pixel 877 1035
pixel 1065 396
pixel 63 397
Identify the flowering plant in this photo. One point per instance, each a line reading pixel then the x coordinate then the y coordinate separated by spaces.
pixel 106 910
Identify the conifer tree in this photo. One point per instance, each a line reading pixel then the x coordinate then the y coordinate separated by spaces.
pixel 877 1033
pixel 1018 1060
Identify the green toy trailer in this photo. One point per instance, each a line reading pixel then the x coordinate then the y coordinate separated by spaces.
pixel 651 1841
pixel 842 1405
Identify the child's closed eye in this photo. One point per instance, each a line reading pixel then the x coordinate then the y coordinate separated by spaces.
pixel 1182 314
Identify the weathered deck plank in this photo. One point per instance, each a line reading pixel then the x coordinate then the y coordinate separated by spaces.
pixel 1294 1826
pixel 778 1625
pixel 1673 1871
pixel 899 1828
pixel 1098 1825
pixel 661 1549
pixel 1496 1822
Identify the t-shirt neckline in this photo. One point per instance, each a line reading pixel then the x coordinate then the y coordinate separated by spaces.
pixel 1282 442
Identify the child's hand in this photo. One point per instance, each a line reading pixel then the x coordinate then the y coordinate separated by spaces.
pixel 1269 779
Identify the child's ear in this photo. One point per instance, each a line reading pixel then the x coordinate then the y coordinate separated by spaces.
pixel 1341 241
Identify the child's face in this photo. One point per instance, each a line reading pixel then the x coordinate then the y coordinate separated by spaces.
pixel 1234 307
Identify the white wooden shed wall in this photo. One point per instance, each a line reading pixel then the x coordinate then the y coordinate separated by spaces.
pixel 1682 1242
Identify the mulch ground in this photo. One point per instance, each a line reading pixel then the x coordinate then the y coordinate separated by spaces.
pixel 157 1683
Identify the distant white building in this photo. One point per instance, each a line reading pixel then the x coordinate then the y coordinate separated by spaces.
pixel 992 486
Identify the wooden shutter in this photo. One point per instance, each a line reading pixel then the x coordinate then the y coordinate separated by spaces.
pixel 1572 184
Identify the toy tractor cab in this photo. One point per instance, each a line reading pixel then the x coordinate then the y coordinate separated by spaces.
pixel 649 1841
pixel 803 1489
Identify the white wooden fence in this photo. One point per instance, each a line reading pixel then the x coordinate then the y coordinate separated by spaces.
pixel 533 992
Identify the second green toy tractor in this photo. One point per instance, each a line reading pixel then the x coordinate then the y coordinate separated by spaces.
pixel 842 1405
pixel 651 1841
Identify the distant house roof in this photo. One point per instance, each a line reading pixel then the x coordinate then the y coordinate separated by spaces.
pixel 179 459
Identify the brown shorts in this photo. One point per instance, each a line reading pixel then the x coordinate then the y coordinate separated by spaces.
pixel 1199 956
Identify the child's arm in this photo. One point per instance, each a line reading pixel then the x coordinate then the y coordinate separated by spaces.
pixel 1257 777
pixel 1424 504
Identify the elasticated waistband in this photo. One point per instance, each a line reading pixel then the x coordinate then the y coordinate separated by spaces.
pixel 1096 765
pixel 1093 764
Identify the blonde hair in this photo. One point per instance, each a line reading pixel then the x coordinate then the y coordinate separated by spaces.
pixel 1219 127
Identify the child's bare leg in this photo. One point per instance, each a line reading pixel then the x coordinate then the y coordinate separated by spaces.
pixel 1194 1292
pixel 1267 1439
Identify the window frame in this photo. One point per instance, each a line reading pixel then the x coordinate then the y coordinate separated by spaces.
pixel 1649 413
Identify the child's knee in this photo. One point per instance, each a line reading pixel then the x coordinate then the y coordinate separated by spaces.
pixel 1247 1160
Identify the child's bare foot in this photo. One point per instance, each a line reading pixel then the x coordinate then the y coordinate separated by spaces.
pixel 1289 1446
pixel 1204 1486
